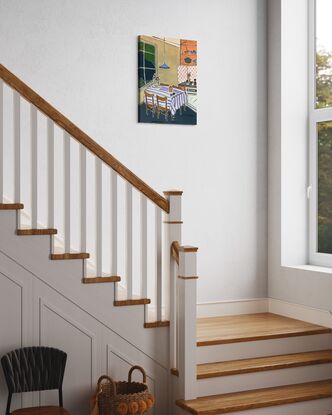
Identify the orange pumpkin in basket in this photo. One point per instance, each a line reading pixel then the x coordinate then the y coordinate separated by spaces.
pixel 149 404
pixel 151 397
pixel 142 406
pixel 122 408
pixel 133 407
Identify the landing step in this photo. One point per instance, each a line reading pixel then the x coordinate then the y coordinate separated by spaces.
pixel 252 327
pixel 155 324
pixel 260 364
pixel 137 301
pixel 27 232
pixel 100 280
pixel 11 206
pixel 80 255
pixel 259 398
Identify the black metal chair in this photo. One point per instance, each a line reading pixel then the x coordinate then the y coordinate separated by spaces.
pixel 34 369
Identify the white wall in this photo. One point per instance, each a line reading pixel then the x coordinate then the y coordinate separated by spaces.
pixel 290 279
pixel 81 56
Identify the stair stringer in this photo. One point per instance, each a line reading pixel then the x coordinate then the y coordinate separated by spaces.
pixel 32 253
pixel 34 313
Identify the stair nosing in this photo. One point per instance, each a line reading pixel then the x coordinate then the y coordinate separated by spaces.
pixel 101 280
pixel 36 232
pixel 68 256
pixel 260 368
pixel 11 206
pixel 271 402
pixel 311 332
pixel 132 302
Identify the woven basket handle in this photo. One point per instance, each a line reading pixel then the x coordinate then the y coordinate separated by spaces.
pixel 137 368
pixel 109 380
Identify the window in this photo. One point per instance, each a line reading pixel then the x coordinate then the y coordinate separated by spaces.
pixel 320 119
pixel 146 63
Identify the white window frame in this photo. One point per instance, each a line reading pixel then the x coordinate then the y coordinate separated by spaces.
pixel 315 116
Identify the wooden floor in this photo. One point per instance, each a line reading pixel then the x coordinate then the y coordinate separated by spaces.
pixel 261 398
pixel 250 327
pixel 260 364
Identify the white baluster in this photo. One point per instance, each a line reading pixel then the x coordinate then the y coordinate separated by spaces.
pixel 1 141
pixel 129 240
pixel 99 213
pixel 83 197
pixel 50 178
pixel 34 166
pixel 17 152
pixel 114 223
pixel 67 227
pixel 144 247
pixel 158 263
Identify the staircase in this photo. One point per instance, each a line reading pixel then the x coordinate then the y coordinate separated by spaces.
pixel 262 364
pixel 68 208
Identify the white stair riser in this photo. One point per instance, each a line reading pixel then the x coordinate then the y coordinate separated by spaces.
pixel 272 347
pixel 267 379
pixel 316 407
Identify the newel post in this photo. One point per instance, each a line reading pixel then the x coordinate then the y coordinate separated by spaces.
pixel 187 293
pixel 173 232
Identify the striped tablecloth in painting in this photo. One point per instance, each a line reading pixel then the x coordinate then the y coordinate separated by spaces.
pixel 174 101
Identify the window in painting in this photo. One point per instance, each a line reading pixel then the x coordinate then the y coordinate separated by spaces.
pixel 146 63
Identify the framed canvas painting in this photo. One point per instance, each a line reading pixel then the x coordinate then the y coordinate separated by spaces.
pixel 167 80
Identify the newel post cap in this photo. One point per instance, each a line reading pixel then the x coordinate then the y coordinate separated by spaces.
pixel 173 193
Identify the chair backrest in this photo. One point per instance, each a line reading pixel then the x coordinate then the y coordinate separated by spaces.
pixel 34 369
pixel 149 99
pixel 162 102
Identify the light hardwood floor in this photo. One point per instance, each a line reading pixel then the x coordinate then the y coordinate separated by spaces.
pixel 249 327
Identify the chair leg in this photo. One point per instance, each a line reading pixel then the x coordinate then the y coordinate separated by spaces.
pixel 60 398
pixel 9 400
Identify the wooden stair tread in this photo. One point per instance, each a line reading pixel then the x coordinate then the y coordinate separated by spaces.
pixel 235 367
pixel 78 255
pixel 136 301
pixel 27 232
pixel 155 324
pixel 100 280
pixel 250 327
pixel 11 206
pixel 259 398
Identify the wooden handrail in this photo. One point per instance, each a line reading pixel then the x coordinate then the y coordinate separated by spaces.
pixel 75 132
pixel 175 251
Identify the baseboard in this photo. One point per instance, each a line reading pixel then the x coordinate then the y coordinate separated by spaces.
pixel 232 307
pixel 300 312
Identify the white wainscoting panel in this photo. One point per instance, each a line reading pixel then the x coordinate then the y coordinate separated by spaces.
pixel 34 313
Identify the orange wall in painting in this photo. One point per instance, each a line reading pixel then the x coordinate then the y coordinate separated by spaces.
pixel 188 52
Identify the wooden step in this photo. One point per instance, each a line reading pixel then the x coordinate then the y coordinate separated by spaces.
pixel 259 398
pixel 260 364
pixel 79 255
pixel 28 232
pixel 155 324
pixel 136 301
pixel 251 327
pixel 11 206
pixel 100 280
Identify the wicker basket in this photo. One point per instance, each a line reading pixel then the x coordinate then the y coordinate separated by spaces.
pixel 124 398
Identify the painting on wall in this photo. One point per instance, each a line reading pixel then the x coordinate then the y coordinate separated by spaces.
pixel 167 80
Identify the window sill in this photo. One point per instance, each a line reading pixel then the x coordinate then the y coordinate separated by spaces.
pixel 311 268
